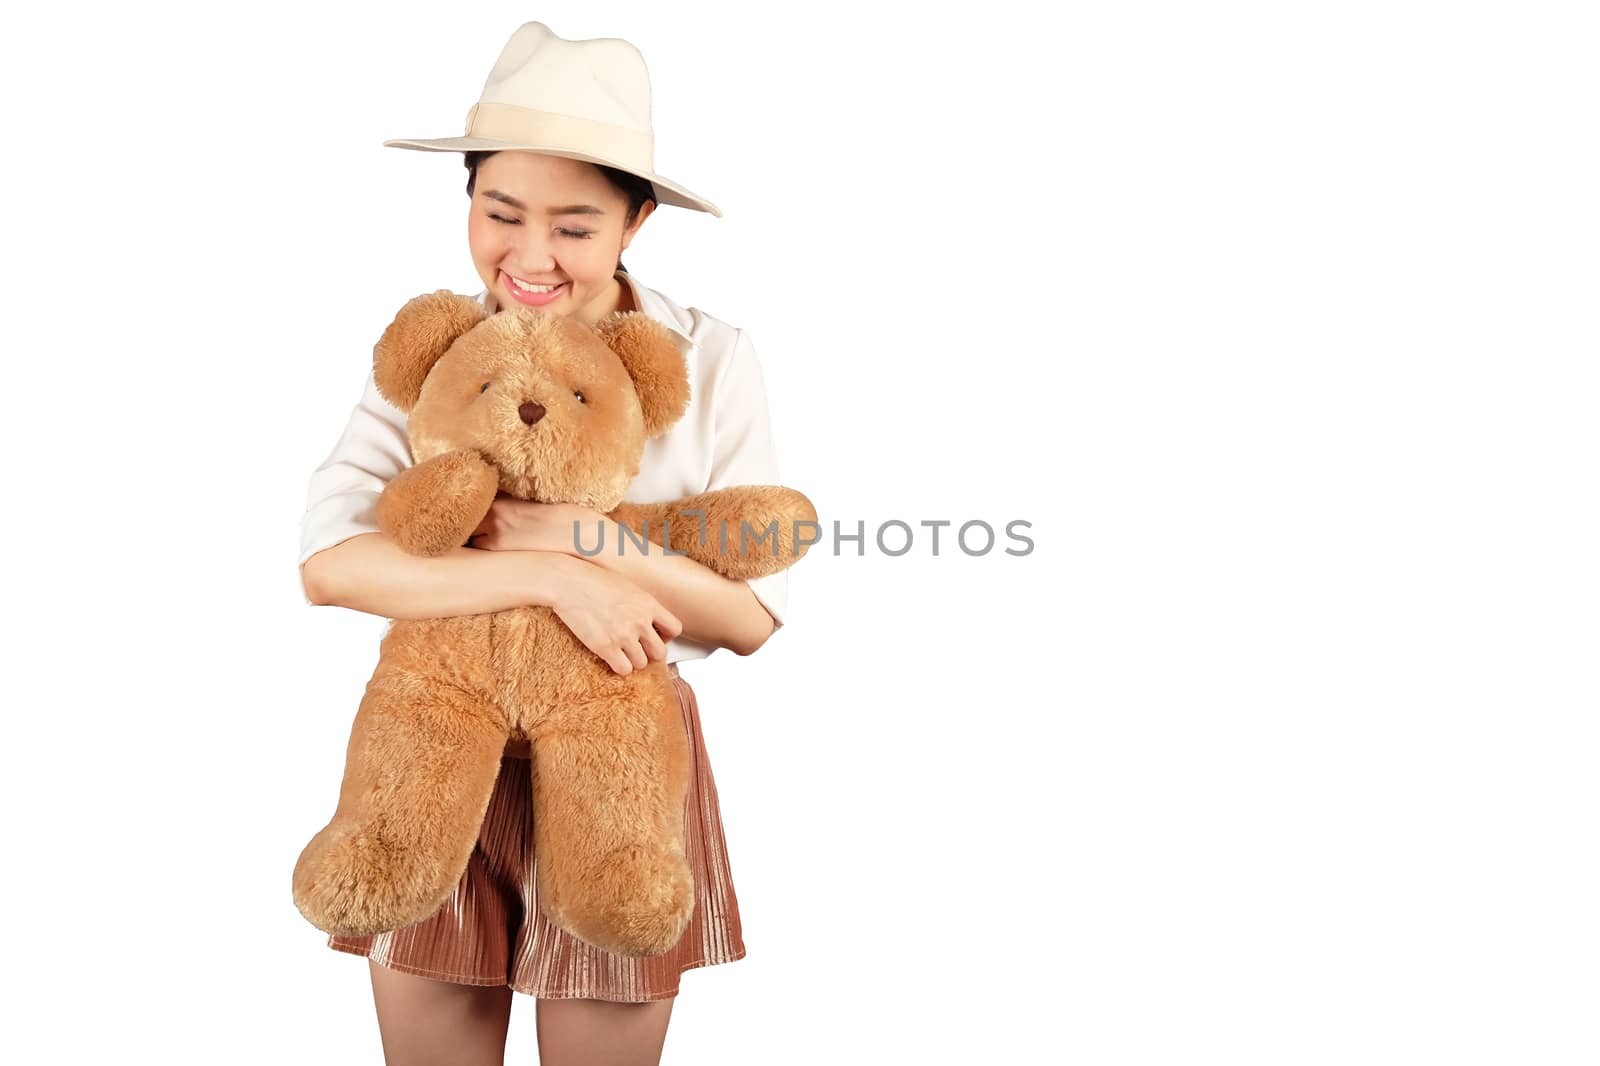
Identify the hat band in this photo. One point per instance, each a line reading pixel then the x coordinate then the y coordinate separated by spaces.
pixel 524 125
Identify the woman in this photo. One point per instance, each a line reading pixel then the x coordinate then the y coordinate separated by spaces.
pixel 560 181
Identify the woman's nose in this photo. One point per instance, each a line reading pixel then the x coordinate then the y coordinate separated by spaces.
pixel 531 412
pixel 534 255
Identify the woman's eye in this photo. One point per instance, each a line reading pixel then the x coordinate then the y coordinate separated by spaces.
pixel 485 388
pixel 579 395
pixel 582 234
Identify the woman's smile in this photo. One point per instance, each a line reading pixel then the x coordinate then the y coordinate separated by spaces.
pixel 535 298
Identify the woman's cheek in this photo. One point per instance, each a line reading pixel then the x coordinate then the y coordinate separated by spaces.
pixel 483 240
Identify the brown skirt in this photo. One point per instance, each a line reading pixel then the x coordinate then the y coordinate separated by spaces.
pixel 492 932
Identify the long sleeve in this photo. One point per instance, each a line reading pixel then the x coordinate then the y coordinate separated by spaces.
pixel 742 452
pixel 342 498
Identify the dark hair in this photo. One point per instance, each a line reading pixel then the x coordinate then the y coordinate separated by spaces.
pixel 635 188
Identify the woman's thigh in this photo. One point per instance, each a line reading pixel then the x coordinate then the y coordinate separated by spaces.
pixel 596 1032
pixel 424 1021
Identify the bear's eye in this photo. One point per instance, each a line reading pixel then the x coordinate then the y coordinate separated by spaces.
pixel 579 394
pixel 484 389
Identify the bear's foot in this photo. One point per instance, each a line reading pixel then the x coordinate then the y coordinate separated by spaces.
pixel 635 904
pixel 350 881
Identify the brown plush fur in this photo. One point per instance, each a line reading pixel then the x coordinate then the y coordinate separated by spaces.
pixel 610 756
pixel 739 535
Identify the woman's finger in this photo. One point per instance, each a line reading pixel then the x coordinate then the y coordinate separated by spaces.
pixel 619 661
pixel 650 640
pixel 666 623
pixel 635 654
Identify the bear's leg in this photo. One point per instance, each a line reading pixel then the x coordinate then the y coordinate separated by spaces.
pixel 610 781
pixel 420 768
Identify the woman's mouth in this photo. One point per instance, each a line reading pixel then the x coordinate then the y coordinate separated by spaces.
pixel 533 297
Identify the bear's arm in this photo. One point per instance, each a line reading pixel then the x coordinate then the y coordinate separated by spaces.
pixel 435 505
pixel 742 532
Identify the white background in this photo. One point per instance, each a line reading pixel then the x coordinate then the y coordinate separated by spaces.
pixel 1276 321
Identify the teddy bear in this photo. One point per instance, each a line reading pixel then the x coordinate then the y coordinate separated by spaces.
pixel 544 408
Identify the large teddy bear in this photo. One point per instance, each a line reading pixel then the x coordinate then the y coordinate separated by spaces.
pixel 543 408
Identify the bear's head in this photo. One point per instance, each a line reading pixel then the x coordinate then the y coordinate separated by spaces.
pixel 561 409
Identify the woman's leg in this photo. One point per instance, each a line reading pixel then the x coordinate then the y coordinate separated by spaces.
pixel 597 1032
pixel 424 1022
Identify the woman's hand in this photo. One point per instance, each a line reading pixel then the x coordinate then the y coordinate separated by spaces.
pixel 521 525
pixel 613 617
pixel 609 614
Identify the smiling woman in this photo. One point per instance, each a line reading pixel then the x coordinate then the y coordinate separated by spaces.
pixel 547 231
pixel 560 180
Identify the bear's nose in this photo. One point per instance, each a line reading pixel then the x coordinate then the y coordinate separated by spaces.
pixel 531 412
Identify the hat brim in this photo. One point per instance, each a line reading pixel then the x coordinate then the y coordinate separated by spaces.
pixel 667 191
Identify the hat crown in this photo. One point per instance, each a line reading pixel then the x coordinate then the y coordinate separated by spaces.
pixel 584 99
pixel 602 79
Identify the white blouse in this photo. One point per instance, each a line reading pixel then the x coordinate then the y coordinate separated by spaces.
pixel 724 439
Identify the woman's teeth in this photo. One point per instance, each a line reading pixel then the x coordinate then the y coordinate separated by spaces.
pixel 525 287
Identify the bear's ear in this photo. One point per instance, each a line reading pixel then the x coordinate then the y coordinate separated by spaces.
pixel 651 357
pixel 423 331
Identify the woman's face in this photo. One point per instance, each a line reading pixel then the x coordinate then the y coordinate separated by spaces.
pixel 543 220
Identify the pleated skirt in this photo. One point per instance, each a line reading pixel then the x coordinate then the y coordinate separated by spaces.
pixel 491 930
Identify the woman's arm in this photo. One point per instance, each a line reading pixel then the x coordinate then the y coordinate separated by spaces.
pixel 342 496
pixel 613 617
pixel 713 609
pixel 371 573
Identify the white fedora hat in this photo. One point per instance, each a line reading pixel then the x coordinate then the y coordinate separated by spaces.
pixel 587 100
